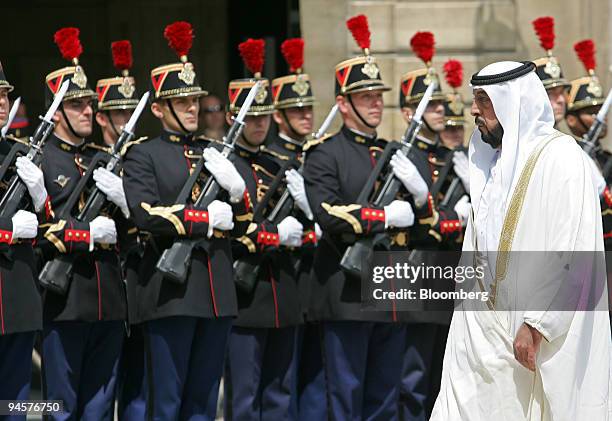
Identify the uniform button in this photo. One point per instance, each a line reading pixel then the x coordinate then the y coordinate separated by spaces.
pixel 260 181
pixel 193 165
pixel 69 233
pixel 436 172
pixel 197 214
pixel 78 235
pixel 190 213
pixel 190 152
pixel 6 236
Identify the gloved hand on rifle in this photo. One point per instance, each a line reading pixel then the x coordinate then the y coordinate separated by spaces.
pixel 461 167
pixel 112 186
pixel 102 231
pixel 398 214
pixel 33 178
pixel 408 174
pixel 295 185
pixel 225 173
pixel 462 207
pixel 290 232
pixel 220 216
pixel 25 225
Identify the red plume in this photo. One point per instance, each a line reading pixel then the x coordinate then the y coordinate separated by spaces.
pixel 293 51
pixel 180 37
pixel 122 54
pixel 252 53
pixel 453 71
pixel 358 25
pixel 545 29
pixel 67 39
pixel 422 44
pixel 586 53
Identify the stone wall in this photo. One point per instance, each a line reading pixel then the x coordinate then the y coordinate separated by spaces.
pixel 476 32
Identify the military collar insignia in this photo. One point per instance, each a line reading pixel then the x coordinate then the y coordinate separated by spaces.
pixel 176 138
pixel 65 146
pixel 246 153
pixel 290 144
pixel 425 144
pixel 359 137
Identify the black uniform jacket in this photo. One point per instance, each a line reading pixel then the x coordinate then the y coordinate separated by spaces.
pixel 96 291
pixel 154 173
pixel 274 301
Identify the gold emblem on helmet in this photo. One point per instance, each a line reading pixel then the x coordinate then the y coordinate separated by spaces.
pixel 300 86
pixel 79 78
pixel 594 87
pixel 261 95
pixel 187 75
pixel 126 88
pixel 370 69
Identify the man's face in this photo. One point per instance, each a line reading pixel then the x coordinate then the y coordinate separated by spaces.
pixel 4 106
pixel 118 118
pixel 558 100
pixel 452 136
pixel 369 105
pixel 79 112
pixel 434 115
pixel 256 129
pixel 212 115
pixel 186 109
pixel 296 121
pixel 485 119
pixel 581 121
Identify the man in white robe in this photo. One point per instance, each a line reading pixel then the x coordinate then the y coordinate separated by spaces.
pixel 531 191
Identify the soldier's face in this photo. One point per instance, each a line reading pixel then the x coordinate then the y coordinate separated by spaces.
pixel 79 112
pixel 452 136
pixel 368 104
pixel 558 101
pixel 434 115
pixel 296 121
pixel 580 122
pixel 4 106
pixel 118 118
pixel 256 129
pixel 185 108
pixel 212 115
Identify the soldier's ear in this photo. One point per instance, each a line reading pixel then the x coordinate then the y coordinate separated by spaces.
pixel 277 117
pixel 228 118
pixel 57 116
pixel 157 110
pixel 571 120
pixel 407 114
pixel 343 105
pixel 101 119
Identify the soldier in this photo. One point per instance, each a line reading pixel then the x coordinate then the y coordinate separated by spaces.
pixel 185 325
pixel 83 328
pixel 362 350
pixel 432 167
pixel 260 367
pixel 20 304
pixel 549 70
pixel 117 99
pixel 453 134
pixel 212 117
pixel 293 101
pixel 586 96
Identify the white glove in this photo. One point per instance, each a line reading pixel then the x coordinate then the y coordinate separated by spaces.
pixel 112 186
pixel 398 214
pixel 295 185
pixel 463 207
pixel 102 230
pixel 408 174
pixel 25 224
pixel 318 231
pixel 225 173
pixel 220 216
pixel 33 178
pixel 461 167
pixel 290 232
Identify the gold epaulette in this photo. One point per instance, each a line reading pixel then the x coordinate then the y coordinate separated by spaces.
pixel 23 140
pixel 315 142
pixel 131 143
pixel 275 154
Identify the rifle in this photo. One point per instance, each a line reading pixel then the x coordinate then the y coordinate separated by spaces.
pixel 589 140
pixel 11 117
pixel 246 270
pixel 12 199
pixel 57 273
pixel 361 250
pixel 175 260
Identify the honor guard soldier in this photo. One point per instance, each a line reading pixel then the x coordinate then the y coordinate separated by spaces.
pixel 20 304
pixel 453 134
pixel 293 101
pixel 83 327
pixel 428 175
pixel 585 98
pixel 185 324
pixel 362 350
pixel 117 100
pixel 548 68
pixel 260 369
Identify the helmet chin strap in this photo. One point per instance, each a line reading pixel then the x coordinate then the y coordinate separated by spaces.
pixel 350 100
pixel 185 131
pixel 584 126
pixel 112 124
pixel 74 132
pixel 294 132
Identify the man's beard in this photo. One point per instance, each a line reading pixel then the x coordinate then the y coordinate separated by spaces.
pixel 494 136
